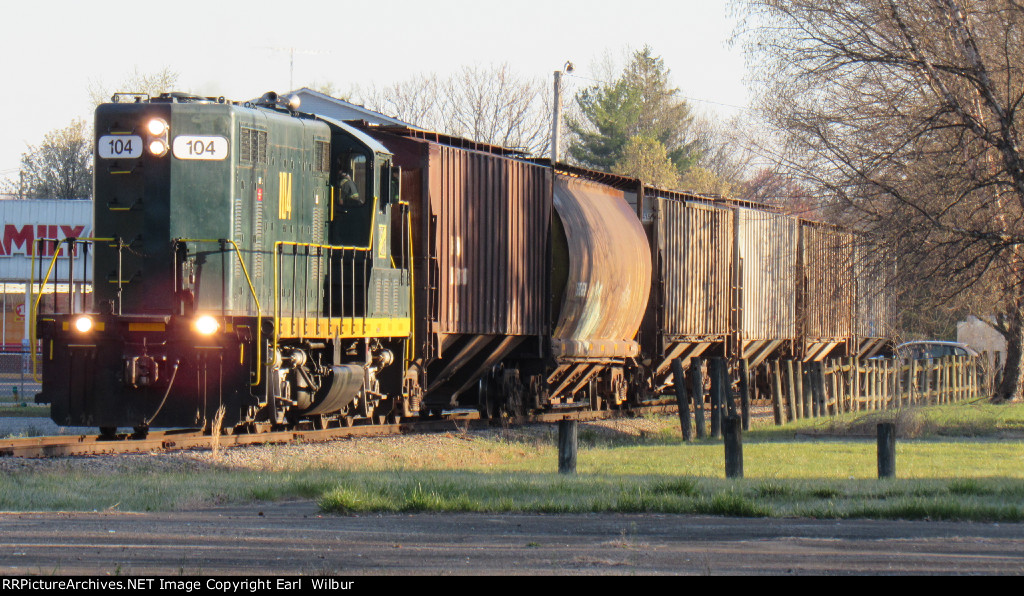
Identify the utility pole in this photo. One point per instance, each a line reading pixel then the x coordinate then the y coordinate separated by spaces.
pixel 556 119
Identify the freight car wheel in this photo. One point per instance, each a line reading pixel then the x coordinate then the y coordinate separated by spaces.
pixel 596 403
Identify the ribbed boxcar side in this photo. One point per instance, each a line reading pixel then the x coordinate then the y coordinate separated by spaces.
pixel 827 290
pixel 489 242
pixel 766 251
pixel 876 307
pixel 693 288
pixel 481 233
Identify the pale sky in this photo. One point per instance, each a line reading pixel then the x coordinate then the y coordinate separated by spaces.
pixel 51 51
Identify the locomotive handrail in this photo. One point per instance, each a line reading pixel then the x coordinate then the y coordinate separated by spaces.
pixel 255 298
pixel 277 289
pixel 33 331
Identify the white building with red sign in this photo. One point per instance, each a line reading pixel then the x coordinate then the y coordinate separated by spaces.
pixel 23 223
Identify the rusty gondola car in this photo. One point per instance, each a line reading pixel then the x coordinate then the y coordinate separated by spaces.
pixel 296 270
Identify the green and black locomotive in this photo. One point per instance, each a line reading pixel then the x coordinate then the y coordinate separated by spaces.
pixel 245 257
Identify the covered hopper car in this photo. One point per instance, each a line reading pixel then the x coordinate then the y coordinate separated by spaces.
pixel 282 268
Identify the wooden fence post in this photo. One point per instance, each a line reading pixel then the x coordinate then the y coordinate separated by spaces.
pixel 886 374
pixel 697 394
pixel 567 445
pixel 913 387
pixel 837 397
pixel 898 382
pixel 745 393
pixel 790 392
pixel 804 401
pixel 679 379
pixel 927 389
pixel 943 382
pixel 733 447
pixel 810 404
pixel 777 392
pixel 717 374
pixel 886 450
pixel 986 367
pixel 818 388
pixel 856 383
pixel 975 381
pixel 870 394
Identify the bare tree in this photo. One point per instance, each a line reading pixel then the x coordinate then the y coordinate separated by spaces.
pixel 417 101
pixel 491 105
pixel 162 81
pixel 901 116
pixel 497 106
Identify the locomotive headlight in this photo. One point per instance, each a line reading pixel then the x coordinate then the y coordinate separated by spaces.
pixel 158 147
pixel 157 127
pixel 83 324
pixel 207 325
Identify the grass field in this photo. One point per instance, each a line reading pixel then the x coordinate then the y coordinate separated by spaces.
pixel 963 462
pixel 23 410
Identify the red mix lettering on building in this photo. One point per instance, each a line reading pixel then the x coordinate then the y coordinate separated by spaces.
pixel 22 241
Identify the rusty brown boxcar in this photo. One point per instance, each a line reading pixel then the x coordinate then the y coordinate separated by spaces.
pixel 481 224
pixel 692 299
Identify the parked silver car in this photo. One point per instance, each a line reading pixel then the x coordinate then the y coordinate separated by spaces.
pixel 920 350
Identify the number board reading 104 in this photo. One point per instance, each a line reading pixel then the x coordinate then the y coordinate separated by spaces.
pixel 119 147
pixel 200 147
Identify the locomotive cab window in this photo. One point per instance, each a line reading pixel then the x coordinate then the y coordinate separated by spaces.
pixel 352 186
pixel 349 180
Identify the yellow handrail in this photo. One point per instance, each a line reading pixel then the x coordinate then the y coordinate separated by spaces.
pixel 33 331
pixel 277 289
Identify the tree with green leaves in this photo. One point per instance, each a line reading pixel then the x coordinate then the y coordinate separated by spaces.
pixel 59 168
pixel 638 111
pixel 645 157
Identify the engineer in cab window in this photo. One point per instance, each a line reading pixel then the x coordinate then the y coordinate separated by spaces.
pixel 347 192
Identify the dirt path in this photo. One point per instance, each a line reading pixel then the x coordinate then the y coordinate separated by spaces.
pixel 295 538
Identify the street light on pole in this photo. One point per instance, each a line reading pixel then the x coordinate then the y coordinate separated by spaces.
pixel 556 119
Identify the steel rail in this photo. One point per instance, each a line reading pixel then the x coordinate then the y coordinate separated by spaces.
pixel 173 440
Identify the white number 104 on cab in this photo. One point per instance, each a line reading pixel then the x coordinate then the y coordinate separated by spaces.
pixel 200 147
pixel 119 147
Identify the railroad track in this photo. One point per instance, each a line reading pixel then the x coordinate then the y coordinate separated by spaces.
pixel 170 440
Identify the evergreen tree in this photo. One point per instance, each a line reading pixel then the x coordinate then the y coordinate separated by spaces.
pixel 641 103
